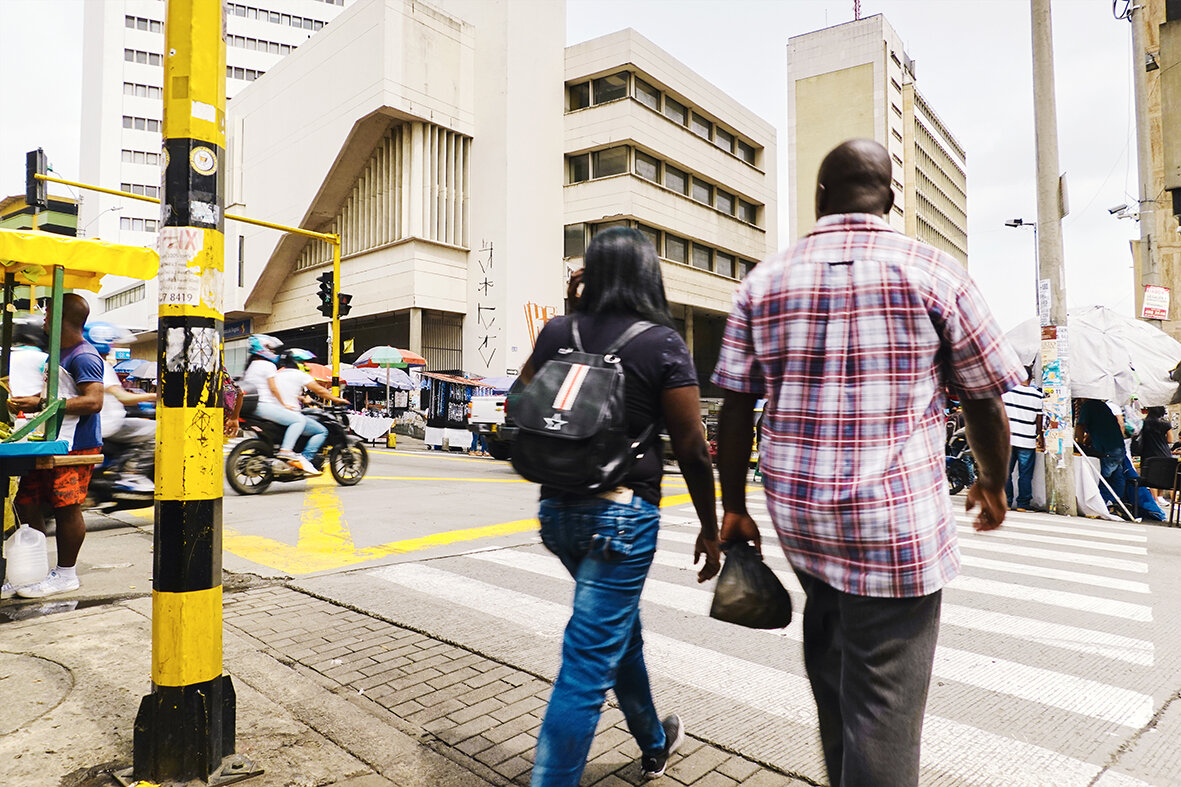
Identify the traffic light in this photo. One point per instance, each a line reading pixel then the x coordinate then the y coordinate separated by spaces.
pixel 344 300
pixel 36 191
pixel 326 293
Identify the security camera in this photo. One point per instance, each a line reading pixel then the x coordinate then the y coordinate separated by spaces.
pixel 1118 209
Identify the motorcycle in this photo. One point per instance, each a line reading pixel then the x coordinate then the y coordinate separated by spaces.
pixel 253 464
pixel 123 481
pixel 961 467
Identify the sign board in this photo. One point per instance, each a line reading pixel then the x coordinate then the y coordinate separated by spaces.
pixel 236 329
pixel 122 353
pixel 1156 303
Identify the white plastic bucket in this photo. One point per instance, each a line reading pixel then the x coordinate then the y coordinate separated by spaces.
pixel 28 559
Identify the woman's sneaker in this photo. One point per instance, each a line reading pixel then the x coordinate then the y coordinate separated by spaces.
pixel 652 766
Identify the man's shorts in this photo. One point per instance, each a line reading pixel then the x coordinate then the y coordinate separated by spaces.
pixel 59 486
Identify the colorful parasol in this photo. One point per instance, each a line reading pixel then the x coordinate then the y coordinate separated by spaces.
pixel 384 357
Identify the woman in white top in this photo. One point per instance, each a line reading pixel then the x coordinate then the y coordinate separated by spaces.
pixel 291 382
pixel 272 406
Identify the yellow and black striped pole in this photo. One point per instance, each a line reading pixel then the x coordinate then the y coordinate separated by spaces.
pixel 185 727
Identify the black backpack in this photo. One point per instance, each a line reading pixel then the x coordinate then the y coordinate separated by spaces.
pixel 572 420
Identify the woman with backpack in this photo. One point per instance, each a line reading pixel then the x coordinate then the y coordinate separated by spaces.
pixel 607 540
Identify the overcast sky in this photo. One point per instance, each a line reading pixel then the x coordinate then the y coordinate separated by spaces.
pixel 973 65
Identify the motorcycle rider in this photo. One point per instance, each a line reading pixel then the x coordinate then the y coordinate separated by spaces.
pixel 261 372
pixel 292 381
pixel 116 426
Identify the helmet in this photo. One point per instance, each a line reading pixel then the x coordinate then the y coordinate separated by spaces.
pixel 264 346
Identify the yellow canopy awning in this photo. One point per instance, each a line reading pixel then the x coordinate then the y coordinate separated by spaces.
pixel 31 254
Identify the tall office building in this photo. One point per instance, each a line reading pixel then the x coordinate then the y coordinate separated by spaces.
pixel 856 80
pixel 122 58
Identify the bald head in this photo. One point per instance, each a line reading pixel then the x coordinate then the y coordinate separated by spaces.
pixel 75 310
pixel 854 178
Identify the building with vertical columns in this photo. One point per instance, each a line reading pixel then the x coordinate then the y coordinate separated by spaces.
pixel 651 145
pixel 122 89
pixel 430 138
pixel 856 80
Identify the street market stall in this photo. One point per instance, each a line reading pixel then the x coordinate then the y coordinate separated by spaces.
pixel 29 258
pixel 446 409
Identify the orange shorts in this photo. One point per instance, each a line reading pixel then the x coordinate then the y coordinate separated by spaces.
pixel 59 486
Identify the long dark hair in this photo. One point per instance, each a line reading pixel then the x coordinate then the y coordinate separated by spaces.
pixel 622 276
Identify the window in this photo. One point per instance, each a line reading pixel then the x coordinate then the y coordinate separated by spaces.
pixel 700 126
pixel 897 111
pixel 895 85
pixel 149 225
pixel 897 160
pixel 676 249
pixel 725 202
pixel 127 157
pixel 647 95
pixel 137 225
pixel 676 180
pixel 129 55
pixel 745 151
pixel 702 257
pixel 128 296
pixel 273 17
pixel 579 168
pixel 153 125
pixel 724 264
pixel 610 88
pixel 703 192
pixel 140 157
pixel 141 57
pixel 675 111
pixel 747 212
pixel 125 223
pixel 647 167
pixel 652 234
pixel 741 268
pixel 612 161
pixel 575 240
pixel 141 124
pixel 579 96
pixel 723 139
pixel 895 134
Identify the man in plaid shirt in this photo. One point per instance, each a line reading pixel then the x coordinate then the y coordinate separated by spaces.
pixel 853 335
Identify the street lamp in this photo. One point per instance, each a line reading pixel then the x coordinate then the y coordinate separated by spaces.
pixel 82 231
pixel 1036 264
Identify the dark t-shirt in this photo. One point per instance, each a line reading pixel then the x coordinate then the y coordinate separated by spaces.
pixel 1101 424
pixel 1154 438
pixel 653 361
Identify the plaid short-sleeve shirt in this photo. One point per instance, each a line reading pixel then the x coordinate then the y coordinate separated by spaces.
pixel 853 335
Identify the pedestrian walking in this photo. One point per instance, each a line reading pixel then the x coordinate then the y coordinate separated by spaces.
pixel 852 335
pixel 1101 426
pixel 607 541
pixel 1023 407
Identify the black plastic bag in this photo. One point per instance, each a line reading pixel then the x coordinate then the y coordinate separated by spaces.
pixel 748 592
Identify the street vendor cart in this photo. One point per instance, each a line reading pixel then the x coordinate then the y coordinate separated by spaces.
pixel 29 258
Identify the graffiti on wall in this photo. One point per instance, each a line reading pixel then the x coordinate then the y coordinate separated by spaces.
pixel 536 316
pixel 487 327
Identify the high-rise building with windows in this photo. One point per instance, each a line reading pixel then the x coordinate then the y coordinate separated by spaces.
pixel 122 58
pixel 652 145
pixel 856 80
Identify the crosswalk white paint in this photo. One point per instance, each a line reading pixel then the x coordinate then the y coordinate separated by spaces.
pixel 980 756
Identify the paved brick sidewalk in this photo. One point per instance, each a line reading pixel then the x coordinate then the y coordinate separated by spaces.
pixel 475 711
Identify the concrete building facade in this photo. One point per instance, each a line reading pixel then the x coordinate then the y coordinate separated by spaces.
pixel 856 80
pixel 430 138
pixel 652 145
pixel 122 59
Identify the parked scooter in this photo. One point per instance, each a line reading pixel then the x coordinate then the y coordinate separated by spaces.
pixel 961 467
pixel 253 464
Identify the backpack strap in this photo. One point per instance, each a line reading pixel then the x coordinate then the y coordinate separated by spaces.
pixel 577 338
pixel 634 330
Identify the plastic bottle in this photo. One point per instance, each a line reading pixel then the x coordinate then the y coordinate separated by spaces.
pixel 28 559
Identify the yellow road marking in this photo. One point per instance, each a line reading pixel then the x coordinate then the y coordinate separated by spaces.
pixel 325 542
pixel 457 457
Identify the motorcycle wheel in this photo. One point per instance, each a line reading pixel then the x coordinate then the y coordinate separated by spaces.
pixel 500 449
pixel 958 477
pixel 248 467
pixel 348 463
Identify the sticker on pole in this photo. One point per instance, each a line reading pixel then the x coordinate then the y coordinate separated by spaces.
pixel 1156 303
pixel 183 280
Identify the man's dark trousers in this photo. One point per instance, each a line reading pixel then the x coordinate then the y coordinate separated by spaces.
pixel 869 661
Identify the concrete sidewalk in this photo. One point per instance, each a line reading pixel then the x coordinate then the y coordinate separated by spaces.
pixel 325 695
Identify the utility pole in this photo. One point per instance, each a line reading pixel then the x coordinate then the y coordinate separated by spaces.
pixel 1150 273
pixel 185 728
pixel 1058 416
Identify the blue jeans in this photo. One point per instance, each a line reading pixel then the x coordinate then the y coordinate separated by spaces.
pixel 1022 459
pixel 1111 467
pixel 280 415
pixel 608 548
pixel 318 432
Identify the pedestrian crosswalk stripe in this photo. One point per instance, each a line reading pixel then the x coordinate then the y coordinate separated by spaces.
pixel 983 542
pixel 1005 534
pixel 1066 530
pixel 1045 572
pixel 968 754
pixel 1095 605
pixel 1068 692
